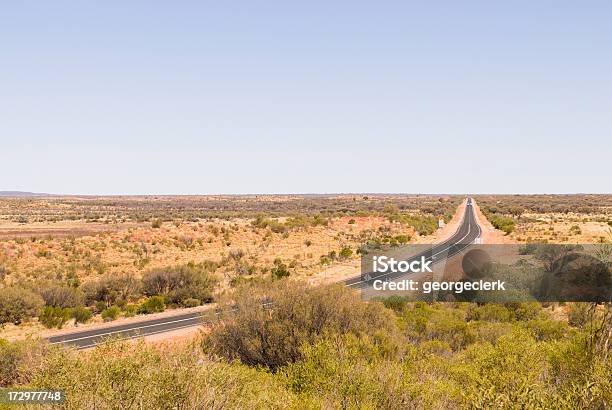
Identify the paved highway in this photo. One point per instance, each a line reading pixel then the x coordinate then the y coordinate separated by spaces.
pixel 466 234
pixel 89 338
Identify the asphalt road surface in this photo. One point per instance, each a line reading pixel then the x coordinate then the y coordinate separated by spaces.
pixel 89 338
pixel 466 234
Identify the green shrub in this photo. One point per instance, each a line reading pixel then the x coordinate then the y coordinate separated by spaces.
pixel 507 375
pixel 578 314
pixel 402 239
pixel 81 314
pixel 279 270
pixel 191 302
pixel 271 335
pixel 18 304
pixel 19 360
pixel 546 330
pixel 524 310
pixel 452 330
pixel 345 252
pixel 178 283
pixel 499 221
pixel 423 224
pixel 352 373
pixel 111 313
pixel 100 306
pixel 54 316
pixel 489 312
pixel 124 375
pixel 490 332
pixel 111 289
pixel 154 304
pixel 130 310
pixel 395 303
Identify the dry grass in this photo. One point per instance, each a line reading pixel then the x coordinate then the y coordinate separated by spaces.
pixel 555 218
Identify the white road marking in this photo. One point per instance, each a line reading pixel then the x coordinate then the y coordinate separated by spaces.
pixel 124 330
pixel 148 334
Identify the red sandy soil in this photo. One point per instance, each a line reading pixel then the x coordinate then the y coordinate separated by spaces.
pixel 490 235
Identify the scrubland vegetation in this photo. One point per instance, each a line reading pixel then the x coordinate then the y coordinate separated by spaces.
pixel 275 341
pixel 322 347
pixel 156 244
pixel 516 205
pixel 499 221
pixel 157 209
pixel 550 218
pixel 109 295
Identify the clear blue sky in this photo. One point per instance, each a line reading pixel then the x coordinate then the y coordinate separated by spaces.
pixel 199 97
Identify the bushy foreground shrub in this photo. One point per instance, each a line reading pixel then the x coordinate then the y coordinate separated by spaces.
pixel 121 375
pixel 304 347
pixel 267 324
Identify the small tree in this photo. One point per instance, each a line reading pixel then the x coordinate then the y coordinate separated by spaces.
pixel 517 211
pixel 18 304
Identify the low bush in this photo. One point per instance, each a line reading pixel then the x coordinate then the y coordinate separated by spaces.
pixel 111 289
pixel 154 304
pixel 578 314
pixel 18 304
pixel 345 253
pixel 130 310
pixel 61 296
pixel 81 314
pixel 279 270
pixel 122 375
pixel 191 302
pixel 179 283
pixel 111 313
pixel 52 317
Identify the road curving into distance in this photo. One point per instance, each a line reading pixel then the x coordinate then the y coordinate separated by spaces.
pixel 467 233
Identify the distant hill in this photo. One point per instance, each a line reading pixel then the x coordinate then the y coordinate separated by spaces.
pixel 20 194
